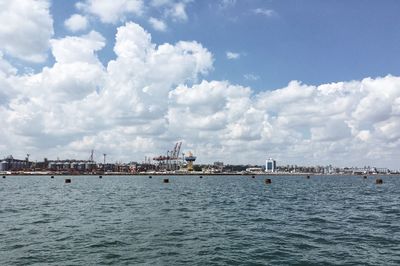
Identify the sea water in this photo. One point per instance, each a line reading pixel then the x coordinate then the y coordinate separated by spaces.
pixel 214 220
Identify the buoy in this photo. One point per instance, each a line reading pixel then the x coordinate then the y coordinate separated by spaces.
pixel 150 176
pixel 379 181
pixel 166 180
pixel 4 176
pixel 253 176
pixel 365 177
pixel 52 176
pixel 100 176
pixel 67 180
pixel 201 176
pixel 268 181
pixel 308 177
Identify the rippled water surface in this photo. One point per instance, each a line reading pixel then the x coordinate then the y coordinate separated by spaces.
pixel 216 220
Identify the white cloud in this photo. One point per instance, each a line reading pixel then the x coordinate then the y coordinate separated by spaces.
pixel 232 55
pixel 177 11
pixel 111 11
pixel 79 102
pixel 26 27
pixel 42 112
pixel 6 72
pixel 264 12
pixel 149 96
pixel 172 9
pixel 324 124
pixel 132 41
pixel 78 49
pixel 6 68
pixel 76 23
pixel 157 24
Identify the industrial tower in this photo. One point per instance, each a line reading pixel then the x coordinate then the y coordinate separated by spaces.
pixel 190 159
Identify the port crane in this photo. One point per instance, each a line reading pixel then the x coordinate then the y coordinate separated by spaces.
pixel 170 161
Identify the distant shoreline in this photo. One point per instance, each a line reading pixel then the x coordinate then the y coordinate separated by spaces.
pixel 192 174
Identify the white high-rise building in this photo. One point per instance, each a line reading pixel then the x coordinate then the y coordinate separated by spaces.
pixel 270 166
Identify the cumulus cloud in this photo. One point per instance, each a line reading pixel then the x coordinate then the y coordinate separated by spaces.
pixel 40 114
pixel 157 24
pixel 232 55
pixel 111 11
pixel 26 27
pixel 78 101
pixel 76 23
pixel 329 123
pixel 72 49
pixel 152 94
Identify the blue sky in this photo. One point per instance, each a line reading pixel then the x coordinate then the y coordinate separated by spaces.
pixel 312 41
pixel 304 82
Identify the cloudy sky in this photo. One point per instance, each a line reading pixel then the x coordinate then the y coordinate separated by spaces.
pixel 304 82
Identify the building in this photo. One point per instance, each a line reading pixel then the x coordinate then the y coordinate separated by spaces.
pixel 218 167
pixel 12 164
pixel 270 166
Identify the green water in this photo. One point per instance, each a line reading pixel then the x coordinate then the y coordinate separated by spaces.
pixel 216 220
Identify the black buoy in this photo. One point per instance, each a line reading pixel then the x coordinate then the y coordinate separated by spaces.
pixel 68 180
pixel 4 176
pixel 308 177
pixel 201 176
pixel 268 181
pixel 100 176
pixel 166 180
pixel 253 176
pixel 52 176
pixel 365 177
pixel 379 181
pixel 150 176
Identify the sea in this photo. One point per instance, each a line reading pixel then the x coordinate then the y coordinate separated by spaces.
pixel 213 220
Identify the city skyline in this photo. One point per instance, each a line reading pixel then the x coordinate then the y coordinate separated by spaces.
pixel 171 165
pixel 157 160
pixel 239 81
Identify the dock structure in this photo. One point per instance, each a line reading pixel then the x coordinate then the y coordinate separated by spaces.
pixel 171 161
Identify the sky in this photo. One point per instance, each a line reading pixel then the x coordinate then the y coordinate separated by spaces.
pixel 303 82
